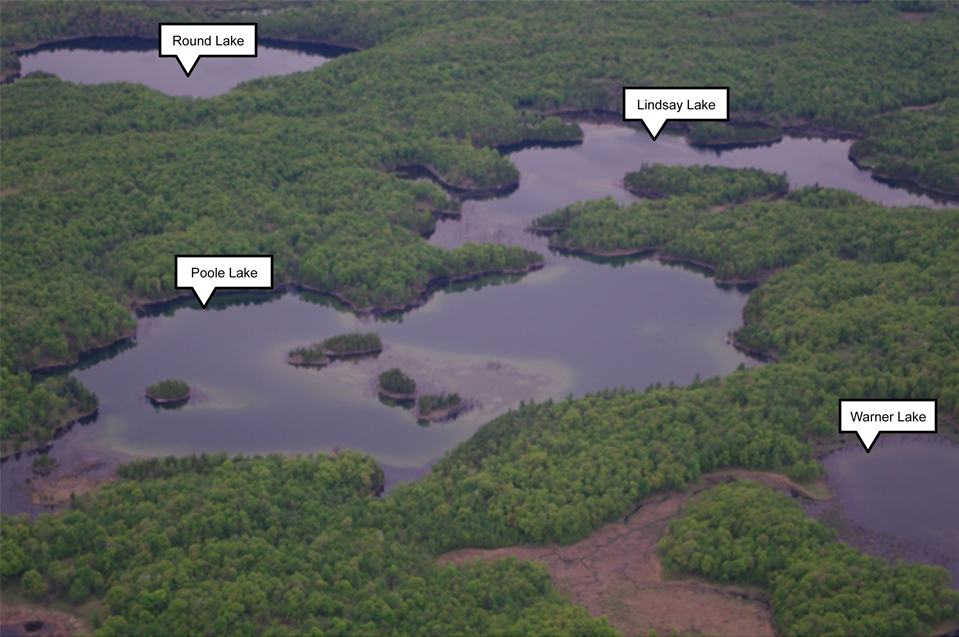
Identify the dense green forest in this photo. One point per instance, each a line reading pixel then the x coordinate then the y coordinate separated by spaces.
pixel 210 545
pixel 171 389
pixel 748 534
pixel 31 409
pixel 919 145
pixel 395 381
pixel 718 134
pixel 100 185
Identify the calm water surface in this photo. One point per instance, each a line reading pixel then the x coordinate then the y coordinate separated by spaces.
pixel 905 493
pixel 577 326
pixel 101 60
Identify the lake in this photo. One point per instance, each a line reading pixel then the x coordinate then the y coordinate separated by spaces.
pixel 576 326
pixel 899 501
pixel 137 60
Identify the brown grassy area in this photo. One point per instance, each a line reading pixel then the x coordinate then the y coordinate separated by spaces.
pixel 615 572
pixel 55 490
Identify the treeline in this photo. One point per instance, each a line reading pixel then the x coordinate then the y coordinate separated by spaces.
pixel 746 533
pixel 555 471
pixel 31 410
pixel 920 145
pixel 719 134
pixel 266 546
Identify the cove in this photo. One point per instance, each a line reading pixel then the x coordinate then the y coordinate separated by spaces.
pixel 899 501
pixel 558 175
pixel 102 60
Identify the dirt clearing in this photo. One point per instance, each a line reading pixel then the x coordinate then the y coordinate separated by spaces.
pixel 615 572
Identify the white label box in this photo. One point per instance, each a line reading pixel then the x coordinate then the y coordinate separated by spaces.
pixel 204 274
pixel 188 42
pixel 870 417
pixel 655 106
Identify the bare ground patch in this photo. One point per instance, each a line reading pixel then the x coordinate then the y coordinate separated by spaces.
pixel 615 572
pixel 14 618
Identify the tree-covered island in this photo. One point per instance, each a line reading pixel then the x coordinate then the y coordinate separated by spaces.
pixel 341 346
pixel 437 407
pixel 168 391
pixel 393 383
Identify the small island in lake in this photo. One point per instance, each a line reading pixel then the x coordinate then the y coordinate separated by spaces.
pixel 168 391
pixel 342 346
pixel 433 408
pixel 396 385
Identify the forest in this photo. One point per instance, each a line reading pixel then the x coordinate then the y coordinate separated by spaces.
pixel 32 409
pixel 746 533
pixel 100 185
pixel 919 145
pixel 266 546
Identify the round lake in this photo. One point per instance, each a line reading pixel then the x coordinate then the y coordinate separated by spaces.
pixel 101 60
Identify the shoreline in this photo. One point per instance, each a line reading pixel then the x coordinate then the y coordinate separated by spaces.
pixel 140 308
pixel 167 401
pixel 20 49
pixel 439 415
pixel 465 191
pixel 394 396
pixel 753 143
pixel 929 191
pixel 654 253
pixel 330 357
pixel 83 354
pixel 54 434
